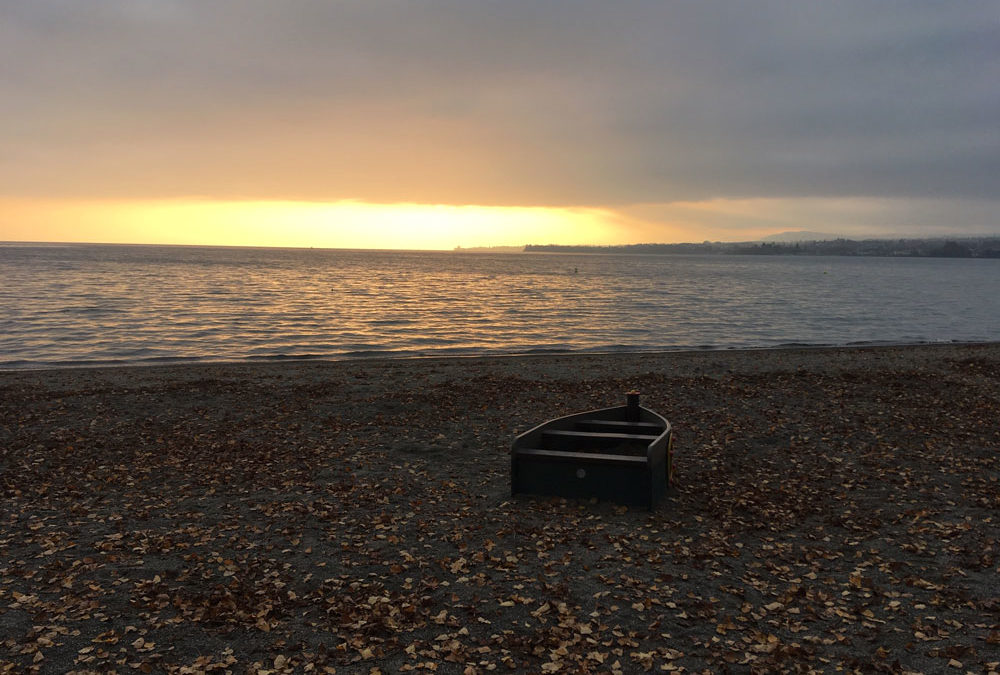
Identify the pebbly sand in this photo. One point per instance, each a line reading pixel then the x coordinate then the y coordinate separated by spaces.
pixel 836 508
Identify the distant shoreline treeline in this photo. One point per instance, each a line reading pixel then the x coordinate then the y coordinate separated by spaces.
pixel 966 247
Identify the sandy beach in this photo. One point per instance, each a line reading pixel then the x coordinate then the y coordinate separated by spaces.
pixel 835 509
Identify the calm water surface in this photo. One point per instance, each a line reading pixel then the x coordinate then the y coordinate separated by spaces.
pixel 91 304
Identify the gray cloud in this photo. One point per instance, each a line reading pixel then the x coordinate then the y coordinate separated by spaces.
pixel 514 102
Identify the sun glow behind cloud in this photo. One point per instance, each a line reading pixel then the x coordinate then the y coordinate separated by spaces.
pixel 306 224
pixel 655 117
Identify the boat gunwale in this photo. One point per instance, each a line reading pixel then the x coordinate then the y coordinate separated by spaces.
pixel 521 439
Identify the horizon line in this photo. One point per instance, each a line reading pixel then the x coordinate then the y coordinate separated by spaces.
pixel 9 242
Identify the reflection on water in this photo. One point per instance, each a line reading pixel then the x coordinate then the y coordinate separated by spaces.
pixel 90 304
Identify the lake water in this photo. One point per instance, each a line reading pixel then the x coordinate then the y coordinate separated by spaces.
pixel 96 304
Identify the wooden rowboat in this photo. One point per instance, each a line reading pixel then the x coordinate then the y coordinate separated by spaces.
pixel 622 454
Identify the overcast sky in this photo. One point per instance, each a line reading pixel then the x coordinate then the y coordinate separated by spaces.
pixel 859 117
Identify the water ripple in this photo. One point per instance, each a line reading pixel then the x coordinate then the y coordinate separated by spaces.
pixel 113 304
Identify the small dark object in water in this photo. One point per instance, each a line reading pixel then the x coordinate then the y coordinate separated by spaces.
pixel 622 454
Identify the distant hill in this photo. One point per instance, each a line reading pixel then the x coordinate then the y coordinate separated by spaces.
pixel 937 247
pixel 802 235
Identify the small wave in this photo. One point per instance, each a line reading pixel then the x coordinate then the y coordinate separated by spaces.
pixel 392 322
pixel 545 350
pixel 287 357
pixel 94 311
pixel 97 363
pixel 365 353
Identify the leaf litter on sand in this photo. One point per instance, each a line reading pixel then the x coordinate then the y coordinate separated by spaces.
pixel 836 509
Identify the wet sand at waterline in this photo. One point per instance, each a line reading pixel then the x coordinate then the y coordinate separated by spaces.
pixel 834 507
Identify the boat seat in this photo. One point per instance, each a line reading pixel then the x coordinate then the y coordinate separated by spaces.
pixel 613 426
pixel 572 433
pixel 583 441
pixel 587 457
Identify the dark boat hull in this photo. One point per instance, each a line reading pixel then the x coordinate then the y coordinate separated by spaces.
pixel 620 454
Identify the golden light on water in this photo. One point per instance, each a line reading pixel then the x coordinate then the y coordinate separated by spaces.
pixel 307 224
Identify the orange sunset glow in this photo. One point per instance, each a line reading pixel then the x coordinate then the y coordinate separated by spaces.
pixel 308 224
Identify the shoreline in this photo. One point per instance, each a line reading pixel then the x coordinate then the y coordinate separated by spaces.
pixel 836 506
pixel 402 356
